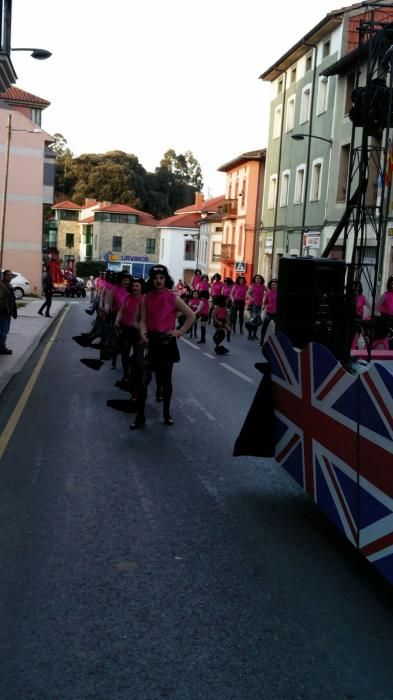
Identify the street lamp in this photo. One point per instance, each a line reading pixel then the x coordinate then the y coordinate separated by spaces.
pixel 39 54
pixel 5 188
pixel 301 137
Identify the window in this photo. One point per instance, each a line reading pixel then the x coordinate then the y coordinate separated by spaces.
pixel 271 201
pixel 68 215
pixel 277 122
pixel 290 121
pixel 69 240
pixel 284 189
pixel 322 95
pixel 280 85
pixel 150 245
pixel 326 49
pixel 113 218
pixel 189 250
pixel 162 246
pixel 308 62
pixel 36 116
pixel 316 180
pixel 293 75
pixel 343 173
pixel 116 244
pixel 299 184
pixel 351 80
pixel 216 252
pixel 305 105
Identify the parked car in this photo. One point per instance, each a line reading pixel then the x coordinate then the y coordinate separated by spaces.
pixel 20 284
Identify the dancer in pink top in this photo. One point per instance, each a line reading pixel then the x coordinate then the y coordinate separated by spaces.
pixel 385 307
pixel 204 284
pixel 160 307
pixel 127 322
pixel 193 303
pixel 196 278
pixel 238 296
pixel 215 291
pixel 269 305
pixel 255 294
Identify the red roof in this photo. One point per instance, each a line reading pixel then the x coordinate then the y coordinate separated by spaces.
pixel 14 94
pixel 211 205
pixel 89 220
pixel 66 205
pixel 179 221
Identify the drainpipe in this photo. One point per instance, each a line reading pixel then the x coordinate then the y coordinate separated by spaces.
pixel 279 167
pixel 314 46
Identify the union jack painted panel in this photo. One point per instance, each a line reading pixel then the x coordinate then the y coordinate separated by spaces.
pixel 334 435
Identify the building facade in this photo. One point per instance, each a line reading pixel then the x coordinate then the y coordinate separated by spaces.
pixel 309 141
pixel 26 182
pixel 241 214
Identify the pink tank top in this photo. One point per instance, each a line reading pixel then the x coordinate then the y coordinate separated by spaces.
pixel 216 289
pixel 240 291
pixel 193 304
pixel 271 301
pixel 387 304
pixel 360 303
pixel 226 289
pixel 221 314
pixel 257 292
pixel 130 310
pixel 160 311
pixel 196 281
pixel 203 286
pixel 204 310
pixel 119 295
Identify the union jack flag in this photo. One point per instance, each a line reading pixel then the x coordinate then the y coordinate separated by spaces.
pixel 334 435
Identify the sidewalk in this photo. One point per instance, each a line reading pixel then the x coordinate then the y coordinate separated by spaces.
pixel 25 335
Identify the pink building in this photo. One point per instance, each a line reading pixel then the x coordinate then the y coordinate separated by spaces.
pixel 30 182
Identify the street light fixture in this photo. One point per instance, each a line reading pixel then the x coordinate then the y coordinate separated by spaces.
pixel 301 137
pixel 39 54
pixel 5 188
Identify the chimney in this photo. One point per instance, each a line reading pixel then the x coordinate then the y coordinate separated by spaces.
pixel 90 202
pixel 199 200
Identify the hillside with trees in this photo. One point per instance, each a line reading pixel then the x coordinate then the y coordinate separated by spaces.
pixel 120 178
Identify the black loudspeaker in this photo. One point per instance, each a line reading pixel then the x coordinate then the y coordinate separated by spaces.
pixel 311 304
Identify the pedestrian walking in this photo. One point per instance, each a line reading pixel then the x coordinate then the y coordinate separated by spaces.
pixel 255 294
pixel 91 287
pixel 7 310
pixel 47 290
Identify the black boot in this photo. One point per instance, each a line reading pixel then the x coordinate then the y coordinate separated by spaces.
pixel 139 422
pixel 203 336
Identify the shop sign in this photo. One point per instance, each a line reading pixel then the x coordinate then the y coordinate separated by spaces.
pixel 311 240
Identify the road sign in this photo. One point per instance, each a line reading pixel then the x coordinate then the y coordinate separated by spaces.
pixel 240 266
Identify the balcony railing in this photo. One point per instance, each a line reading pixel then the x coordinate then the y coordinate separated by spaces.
pixel 229 208
pixel 227 251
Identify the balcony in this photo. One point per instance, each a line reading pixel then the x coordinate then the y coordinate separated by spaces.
pixel 229 209
pixel 227 252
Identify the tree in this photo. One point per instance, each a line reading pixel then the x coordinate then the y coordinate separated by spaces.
pixel 120 178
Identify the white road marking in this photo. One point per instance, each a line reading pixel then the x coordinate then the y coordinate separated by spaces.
pixel 207 354
pixel 188 342
pixel 238 374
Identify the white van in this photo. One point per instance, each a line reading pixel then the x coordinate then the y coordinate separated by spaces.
pixel 20 284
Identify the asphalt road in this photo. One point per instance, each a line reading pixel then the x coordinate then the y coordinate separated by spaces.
pixel 152 564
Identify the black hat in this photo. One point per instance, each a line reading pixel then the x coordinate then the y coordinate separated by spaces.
pixel 158 270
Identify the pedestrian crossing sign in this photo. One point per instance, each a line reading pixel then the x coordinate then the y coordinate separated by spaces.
pixel 240 266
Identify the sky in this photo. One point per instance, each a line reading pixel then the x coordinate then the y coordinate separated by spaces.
pixel 144 76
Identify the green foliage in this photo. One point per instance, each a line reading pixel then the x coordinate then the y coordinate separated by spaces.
pixel 119 178
pixel 85 269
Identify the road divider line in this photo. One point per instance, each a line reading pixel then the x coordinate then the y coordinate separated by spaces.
pixel 238 374
pixel 188 342
pixel 9 429
pixel 207 354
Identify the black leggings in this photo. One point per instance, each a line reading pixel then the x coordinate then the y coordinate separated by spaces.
pixel 164 380
pixel 237 307
pixel 265 324
pixel 47 303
